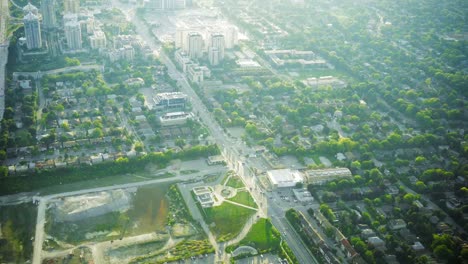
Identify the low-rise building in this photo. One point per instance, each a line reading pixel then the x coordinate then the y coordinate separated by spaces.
pixel 170 101
pixel 392 189
pixel 294 58
pixel 396 224
pixel 366 233
pixel 303 195
pixel 214 160
pixel 417 246
pixel 284 178
pixel 248 65
pixel 325 175
pixel 182 59
pixel 376 242
pixel 197 74
pixel 175 118
pixel 25 85
pixel 204 196
pixel 348 249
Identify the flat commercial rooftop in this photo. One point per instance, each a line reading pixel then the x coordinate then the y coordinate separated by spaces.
pixel 284 177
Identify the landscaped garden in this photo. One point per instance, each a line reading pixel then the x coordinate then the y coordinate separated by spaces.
pixel 183 250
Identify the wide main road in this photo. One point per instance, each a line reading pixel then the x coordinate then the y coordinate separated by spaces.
pixel 229 146
pixel 4 43
pixel 4 14
pixel 302 254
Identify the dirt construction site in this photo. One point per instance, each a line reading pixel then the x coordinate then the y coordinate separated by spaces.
pixel 128 225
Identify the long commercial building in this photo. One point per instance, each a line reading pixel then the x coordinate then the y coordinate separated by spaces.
pixel 325 175
pixel 175 118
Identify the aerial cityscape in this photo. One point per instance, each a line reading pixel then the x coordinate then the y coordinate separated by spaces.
pixel 233 131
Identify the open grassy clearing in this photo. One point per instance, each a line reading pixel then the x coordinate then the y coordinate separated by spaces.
pixel 104 181
pixel 235 182
pixel 244 197
pixel 17 226
pixel 263 236
pixel 227 220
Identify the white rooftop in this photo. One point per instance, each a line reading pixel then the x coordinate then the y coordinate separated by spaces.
pixel 284 177
pixel 247 63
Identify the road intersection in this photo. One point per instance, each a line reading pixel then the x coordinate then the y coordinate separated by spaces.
pixel 229 146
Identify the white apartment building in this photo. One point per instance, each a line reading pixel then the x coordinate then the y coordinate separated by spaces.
pixel 73 35
pixel 195 45
pixel 71 6
pixel 98 40
pixel 32 31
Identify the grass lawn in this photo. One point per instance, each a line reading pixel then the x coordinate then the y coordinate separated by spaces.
pixel 235 182
pixel 244 197
pixel 263 236
pixel 228 220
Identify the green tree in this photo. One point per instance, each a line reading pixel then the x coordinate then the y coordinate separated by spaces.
pixel 443 252
pixel 72 61
pixel 410 198
pixel 139 147
pixel 358 244
pixel 420 160
pixel 97 133
pixel 3 171
pixel 180 142
pixel 356 165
